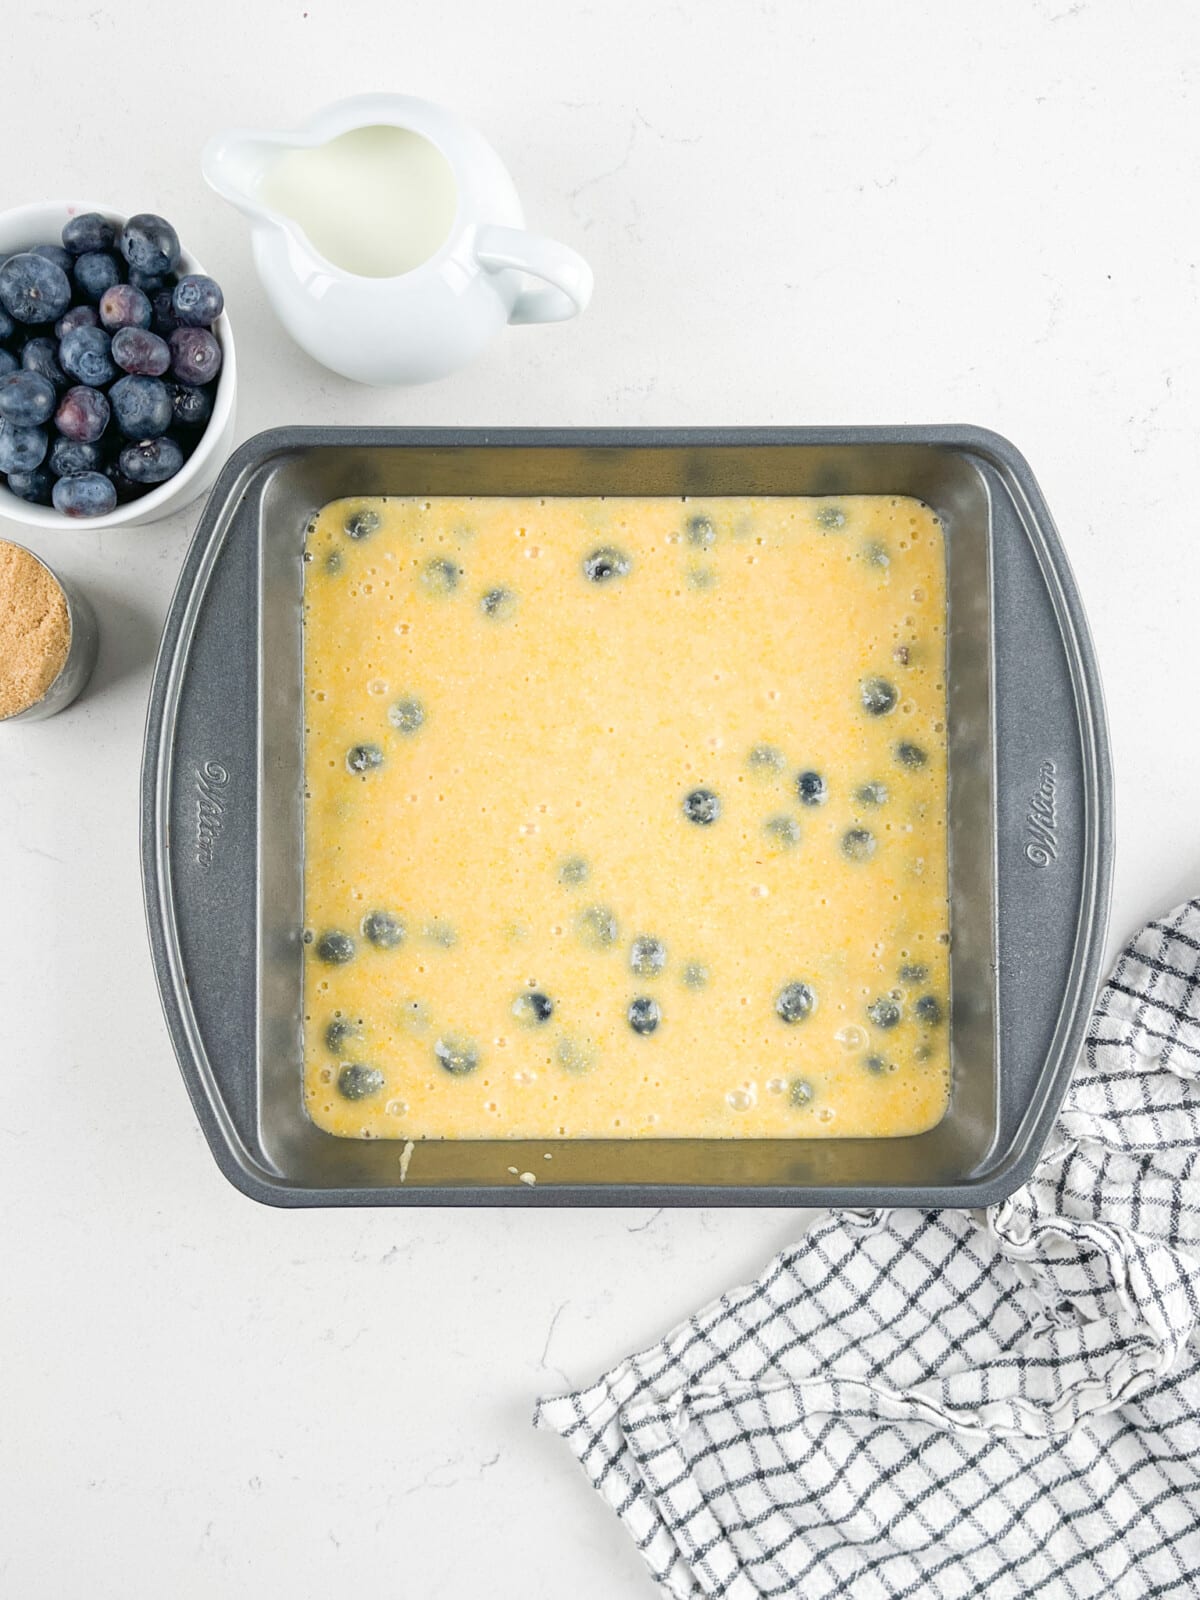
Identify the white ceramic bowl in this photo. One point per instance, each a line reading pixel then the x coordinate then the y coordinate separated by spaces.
pixel 25 226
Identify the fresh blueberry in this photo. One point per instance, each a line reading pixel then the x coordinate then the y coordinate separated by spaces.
pixel 440 576
pixel 7 326
pixel 88 231
pixel 82 414
pixel 333 562
pixel 88 494
pixel 876 555
pixel 878 696
pixel 928 1010
pixel 40 355
pixel 858 844
pixel 150 283
pixel 62 259
pixel 644 1014
pixel 8 363
pixel 914 972
pixel 195 355
pixel 191 407
pixel 141 407
pixel 364 758
pixel 335 948
pixel 123 306
pixel 197 300
pixel 794 1002
pixel 782 831
pixel 356 1082
pixel 572 871
pixel 764 760
pixel 407 715
pixel 383 929
pixel 647 956
pixel 162 313
pixel 86 355
pixel 440 933
pixel 37 486
pixel 95 273
pixel 884 1013
pixel 605 564
pixel 456 1054
pixel 150 460
pixel 872 794
pixel 701 533
pixel 695 975
pixel 71 456
pixel 27 399
pixel 811 789
pixel 702 806
pixel 533 1008
pixel 800 1093
pixel 338 1034
pixel 77 317
pixel 22 449
pixel 140 352
pixel 597 927
pixel 361 524
pixel 498 604
pixel 875 1065
pixel 150 244
pixel 831 517
pixel 32 289
pixel 910 755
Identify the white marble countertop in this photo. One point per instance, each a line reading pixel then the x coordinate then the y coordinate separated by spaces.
pixel 796 213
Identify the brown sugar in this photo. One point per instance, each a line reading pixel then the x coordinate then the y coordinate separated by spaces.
pixel 35 629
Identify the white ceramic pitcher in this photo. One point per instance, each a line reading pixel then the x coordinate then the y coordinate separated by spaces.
pixel 463 253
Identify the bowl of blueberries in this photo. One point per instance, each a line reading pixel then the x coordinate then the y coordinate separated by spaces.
pixel 117 371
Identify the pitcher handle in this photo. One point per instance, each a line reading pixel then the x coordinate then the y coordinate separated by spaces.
pixel 565 274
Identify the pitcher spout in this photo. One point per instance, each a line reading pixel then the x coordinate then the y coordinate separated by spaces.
pixel 234 165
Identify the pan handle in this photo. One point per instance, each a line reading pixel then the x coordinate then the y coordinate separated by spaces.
pixel 1053 806
pixel 199 835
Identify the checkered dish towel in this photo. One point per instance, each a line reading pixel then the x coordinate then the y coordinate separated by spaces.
pixel 936 1404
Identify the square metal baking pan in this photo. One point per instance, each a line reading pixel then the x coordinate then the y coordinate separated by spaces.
pixel 1030 832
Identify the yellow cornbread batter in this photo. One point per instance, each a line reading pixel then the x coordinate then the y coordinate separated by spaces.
pixel 625 818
